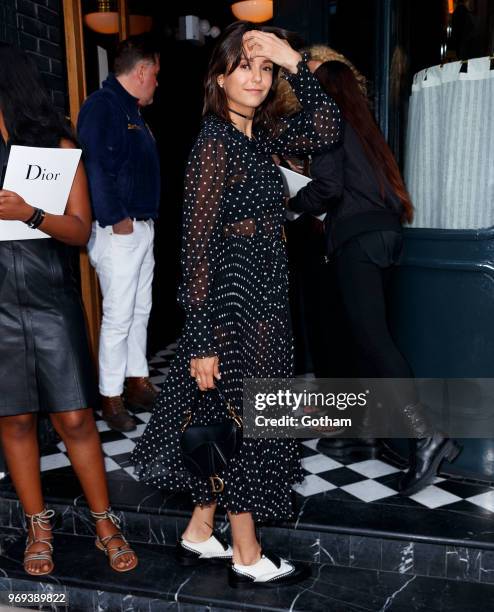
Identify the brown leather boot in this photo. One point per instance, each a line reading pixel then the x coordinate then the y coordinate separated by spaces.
pixel 116 415
pixel 140 392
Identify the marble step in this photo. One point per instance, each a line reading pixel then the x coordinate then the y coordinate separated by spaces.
pixel 390 534
pixel 157 516
pixel 343 535
pixel 160 584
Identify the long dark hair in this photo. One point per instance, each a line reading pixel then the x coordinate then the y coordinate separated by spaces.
pixel 226 56
pixel 339 82
pixel 28 112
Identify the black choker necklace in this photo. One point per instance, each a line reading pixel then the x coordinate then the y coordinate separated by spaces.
pixel 240 114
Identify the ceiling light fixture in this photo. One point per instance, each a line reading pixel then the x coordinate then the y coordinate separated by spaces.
pixel 105 21
pixel 256 11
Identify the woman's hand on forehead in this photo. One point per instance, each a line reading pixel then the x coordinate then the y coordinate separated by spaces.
pixel 269 46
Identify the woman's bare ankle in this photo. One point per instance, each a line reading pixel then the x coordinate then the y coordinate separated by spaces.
pixel 197 533
pixel 247 556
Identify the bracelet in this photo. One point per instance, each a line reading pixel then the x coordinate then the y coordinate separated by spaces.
pixel 39 220
pixel 29 221
pixel 36 219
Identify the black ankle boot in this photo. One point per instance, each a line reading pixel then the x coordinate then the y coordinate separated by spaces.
pixel 426 458
pixel 429 449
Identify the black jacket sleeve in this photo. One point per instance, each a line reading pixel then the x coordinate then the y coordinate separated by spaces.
pixel 326 186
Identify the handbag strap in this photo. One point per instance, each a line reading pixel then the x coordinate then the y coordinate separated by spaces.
pixel 220 393
pixel 217 388
pixel 230 409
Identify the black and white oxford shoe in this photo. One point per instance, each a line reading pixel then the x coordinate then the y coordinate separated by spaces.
pixel 213 550
pixel 269 572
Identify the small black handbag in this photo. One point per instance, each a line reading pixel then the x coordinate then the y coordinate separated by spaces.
pixel 207 449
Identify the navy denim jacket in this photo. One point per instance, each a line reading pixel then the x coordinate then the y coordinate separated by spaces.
pixel 120 155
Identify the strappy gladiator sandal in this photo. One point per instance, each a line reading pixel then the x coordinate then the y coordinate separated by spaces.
pixel 41 520
pixel 113 552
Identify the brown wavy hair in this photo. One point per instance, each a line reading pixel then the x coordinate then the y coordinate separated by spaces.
pixel 226 57
pixel 338 80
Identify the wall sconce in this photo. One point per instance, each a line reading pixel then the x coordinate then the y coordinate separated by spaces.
pixel 105 21
pixel 256 11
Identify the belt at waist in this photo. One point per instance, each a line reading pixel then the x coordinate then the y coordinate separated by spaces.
pixel 250 227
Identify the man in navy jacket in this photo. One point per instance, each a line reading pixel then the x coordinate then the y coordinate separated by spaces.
pixel 122 164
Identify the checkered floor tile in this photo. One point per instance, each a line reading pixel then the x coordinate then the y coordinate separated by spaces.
pixel 371 480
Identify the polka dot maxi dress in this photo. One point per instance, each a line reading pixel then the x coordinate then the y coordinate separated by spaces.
pixel 235 294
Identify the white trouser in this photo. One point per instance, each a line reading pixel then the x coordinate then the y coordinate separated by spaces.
pixel 124 265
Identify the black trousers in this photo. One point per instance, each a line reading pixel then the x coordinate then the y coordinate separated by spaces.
pixel 319 328
pixel 364 267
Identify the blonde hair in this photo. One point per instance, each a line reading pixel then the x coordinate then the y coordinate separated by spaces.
pixel 287 103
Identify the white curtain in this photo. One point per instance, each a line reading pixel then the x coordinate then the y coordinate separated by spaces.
pixel 449 160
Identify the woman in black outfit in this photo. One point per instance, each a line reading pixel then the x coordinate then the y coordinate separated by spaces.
pixel 360 187
pixel 235 295
pixel 45 364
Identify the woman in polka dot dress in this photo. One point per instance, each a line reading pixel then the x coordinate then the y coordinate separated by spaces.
pixel 235 295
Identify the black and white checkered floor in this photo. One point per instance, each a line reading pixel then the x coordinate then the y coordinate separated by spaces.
pixel 369 481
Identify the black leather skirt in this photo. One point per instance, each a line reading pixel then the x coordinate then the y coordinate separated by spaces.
pixel 45 363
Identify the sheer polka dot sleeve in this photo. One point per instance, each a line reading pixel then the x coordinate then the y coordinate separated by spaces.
pixel 316 128
pixel 201 241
